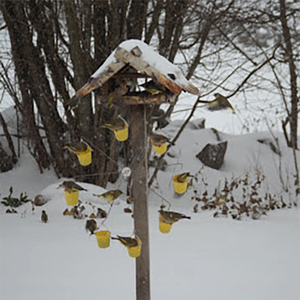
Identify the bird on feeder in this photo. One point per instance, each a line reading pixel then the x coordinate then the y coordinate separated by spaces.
pixel 183 177
pixel 120 128
pixel 220 103
pixel 153 87
pixel 44 217
pixel 115 124
pixel 77 147
pixel 119 91
pixel 127 241
pixel 110 195
pixel 171 216
pixel 71 186
pixel 159 139
pixel 91 226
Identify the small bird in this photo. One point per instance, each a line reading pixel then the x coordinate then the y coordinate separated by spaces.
pixel 127 241
pixel 91 226
pixel 44 217
pixel 116 124
pixel 183 177
pixel 171 216
pixel 220 103
pixel 159 139
pixel 77 147
pixel 120 91
pixel 110 195
pixel 153 87
pixel 71 186
pixel 72 103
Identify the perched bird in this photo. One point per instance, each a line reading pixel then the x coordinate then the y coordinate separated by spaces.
pixel 120 91
pixel 44 217
pixel 91 226
pixel 159 139
pixel 220 103
pixel 110 195
pixel 183 177
pixel 77 147
pixel 71 186
pixel 101 214
pixel 72 103
pixel 127 241
pixel 115 124
pixel 171 216
pixel 153 87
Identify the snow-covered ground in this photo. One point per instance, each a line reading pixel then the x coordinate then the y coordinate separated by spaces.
pixel 202 258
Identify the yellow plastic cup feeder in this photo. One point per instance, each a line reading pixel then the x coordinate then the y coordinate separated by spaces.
pixel 85 157
pixel 103 238
pixel 71 197
pixel 122 134
pixel 159 149
pixel 179 187
pixel 136 250
pixel 163 226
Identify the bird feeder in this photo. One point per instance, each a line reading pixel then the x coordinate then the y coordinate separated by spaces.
pixel 85 157
pixel 136 250
pixel 159 149
pixel 122 134
pixel 103 238
pixel 179 187
pixel 164 227
pixel 71 197
pixel 135 61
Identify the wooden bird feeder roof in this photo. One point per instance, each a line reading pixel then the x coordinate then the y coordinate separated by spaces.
pixel 148 64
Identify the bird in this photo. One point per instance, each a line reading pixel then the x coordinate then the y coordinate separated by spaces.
pixel 171 216
pixel 71 186
pixel 110 195
pixel 77 147
pixel 72 103
pixel 120 91
pixel 153 87
pixel 159 139
pixel 115 124
pixel 44 217
pixel 91 226
pixel 220 103
pixel 183 177
pixel 127 241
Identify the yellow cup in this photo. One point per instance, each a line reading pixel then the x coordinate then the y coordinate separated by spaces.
pixel 72 198
pixel 85 158
pixel 179 187
pixel 135 251
pixel 121 134
pixel 160 149
pixel 163 226
pixel 103 238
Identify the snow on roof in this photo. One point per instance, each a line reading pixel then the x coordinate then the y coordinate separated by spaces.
pixel 154 59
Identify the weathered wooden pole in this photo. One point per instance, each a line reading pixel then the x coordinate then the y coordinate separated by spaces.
pixel 139 144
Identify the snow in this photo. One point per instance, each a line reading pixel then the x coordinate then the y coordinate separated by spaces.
pixel 201 258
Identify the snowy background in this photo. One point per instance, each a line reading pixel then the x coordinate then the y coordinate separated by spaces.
pixel 201 258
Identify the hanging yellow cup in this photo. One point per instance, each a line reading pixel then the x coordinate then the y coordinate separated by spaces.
pixel 85 157
pixel 103 238
pixel 179 187
pixel 160 149
pixel 163 226
pixel 71 197
pixel 122 134
pixel 136 250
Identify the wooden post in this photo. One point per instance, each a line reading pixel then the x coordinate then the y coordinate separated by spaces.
pixel 139 144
